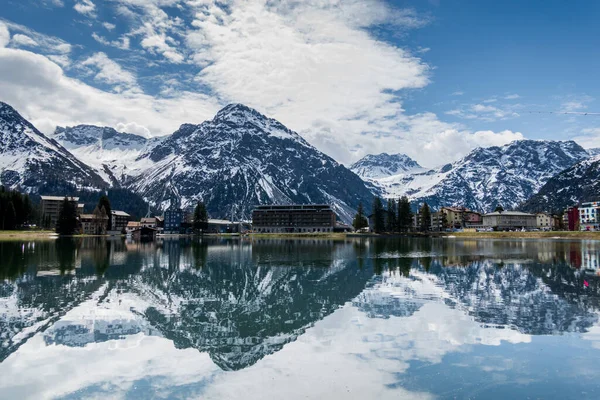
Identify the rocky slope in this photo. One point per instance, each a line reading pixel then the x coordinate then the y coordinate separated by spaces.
pixel 383 165
pixel 240 159
pixel 29 160
pixel 507 175
pixel 577 184
pixel 112 154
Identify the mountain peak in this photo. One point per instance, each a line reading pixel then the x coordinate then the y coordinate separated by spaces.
pixel 236 111
pixel 376 166
pixel 6 110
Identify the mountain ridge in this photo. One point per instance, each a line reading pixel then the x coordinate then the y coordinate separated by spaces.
pixel 31 159
pixel 507 175
pixel 374 166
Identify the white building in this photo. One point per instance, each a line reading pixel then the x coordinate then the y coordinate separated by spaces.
pixel 509 220
pixel 544 221
pixel 589 216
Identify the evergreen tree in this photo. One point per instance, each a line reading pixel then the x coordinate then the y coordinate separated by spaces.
pixel 15 209
pixel 10 216
pixel 391 220
pixel 200 217
pixel 360 221
pixel 425 217
pixel 104 202
pixel 499 208
pixel 378 216
pixel 67 218
pixel 404 218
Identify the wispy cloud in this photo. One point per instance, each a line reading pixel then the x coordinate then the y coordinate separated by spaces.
pixel 486 112
pixel 46 44
pixel 589 138
pixel 108 71
pixel 19 40
pixel 575 102
pixel 109 26
pixel 85 7
pixel 123 43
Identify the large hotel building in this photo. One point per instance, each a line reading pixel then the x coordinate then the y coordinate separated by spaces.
pixel 50 207
pixel 301 218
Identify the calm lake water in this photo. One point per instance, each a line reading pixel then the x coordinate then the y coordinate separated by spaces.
pixel 296 319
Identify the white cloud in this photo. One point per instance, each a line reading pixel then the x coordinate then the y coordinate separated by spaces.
pixel 589 138
pixel 109 71
pixel 123 43
pixel 4 35
pixel 85 7
pixel 511 97
pixel 109 26
pixel 38 88
pixel 458 93
pixel 310 64
pixel 23 40
pixel 158 43
pixel 46 44
pixel 486 112
pixel 157 29
pixel 575 103
pixel 133 127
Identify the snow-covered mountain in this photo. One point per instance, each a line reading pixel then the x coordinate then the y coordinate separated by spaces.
pixel 506 175
pixel 240 159
pixel 594 152
pixel 383 165
pixel 112 154
pixel 577 184
pixel 30 160
pixel 234 162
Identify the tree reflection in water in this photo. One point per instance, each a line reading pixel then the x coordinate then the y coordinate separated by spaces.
pixel 240 300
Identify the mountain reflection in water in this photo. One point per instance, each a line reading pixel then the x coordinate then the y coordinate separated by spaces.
pixel 240 301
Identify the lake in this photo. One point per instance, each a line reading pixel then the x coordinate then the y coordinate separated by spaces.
pixel 300 319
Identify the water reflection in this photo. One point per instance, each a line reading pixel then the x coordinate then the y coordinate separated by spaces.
pixel 384 303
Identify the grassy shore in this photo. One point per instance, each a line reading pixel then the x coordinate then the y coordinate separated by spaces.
pixel 525 235
pixel 14 235
pixel 298 235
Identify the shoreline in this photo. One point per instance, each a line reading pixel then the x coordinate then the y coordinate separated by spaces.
pixel 524 235
pixel 50 235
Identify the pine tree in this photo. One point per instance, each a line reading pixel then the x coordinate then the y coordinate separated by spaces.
pixel 499 208
pixel 378 216
pixel 104 202
pixel 404 218
pixel 360 221
pixel 391 220
pixel 200 217
pixel 10 217
pixel 67 218
pixel 425 217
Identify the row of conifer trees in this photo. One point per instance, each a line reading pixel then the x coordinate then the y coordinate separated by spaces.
pixel 394 217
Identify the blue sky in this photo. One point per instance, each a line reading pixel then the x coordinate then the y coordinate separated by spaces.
pixel 432 79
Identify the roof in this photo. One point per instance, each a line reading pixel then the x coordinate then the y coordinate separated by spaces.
pixel 280 207
pixel 219 222
pixel 59 198
pixel 513 213
pixel 92 216
pixel 148 220
pixel 120 213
